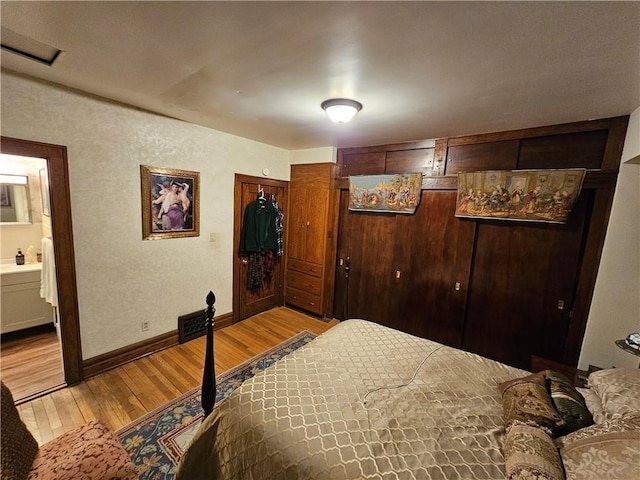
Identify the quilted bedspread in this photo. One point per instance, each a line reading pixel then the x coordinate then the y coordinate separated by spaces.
pixel 361 401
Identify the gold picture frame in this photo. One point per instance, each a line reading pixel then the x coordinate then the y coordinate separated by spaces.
pixel 170 203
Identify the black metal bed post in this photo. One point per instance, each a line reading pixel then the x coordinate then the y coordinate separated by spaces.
pixel 208 396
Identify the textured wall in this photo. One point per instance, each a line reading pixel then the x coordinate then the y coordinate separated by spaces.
pixel 615 309
pixel 122 279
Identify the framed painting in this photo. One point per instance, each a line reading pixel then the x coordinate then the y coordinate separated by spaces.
pixel 170 203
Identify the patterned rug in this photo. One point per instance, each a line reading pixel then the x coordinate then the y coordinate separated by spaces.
pixel 157 440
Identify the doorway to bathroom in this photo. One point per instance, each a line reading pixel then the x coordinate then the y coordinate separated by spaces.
pixel 65 342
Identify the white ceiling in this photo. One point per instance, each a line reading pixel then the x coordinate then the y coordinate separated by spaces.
pixel 421 69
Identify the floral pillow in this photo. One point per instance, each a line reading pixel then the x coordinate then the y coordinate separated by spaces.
pixel 530 454
pixel 618 389
pixel 526 400
pixel 605 451
pixel 592 400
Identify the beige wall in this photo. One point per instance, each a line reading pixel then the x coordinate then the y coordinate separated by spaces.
pixel 314 155
pixel 122 279
pixel 615 310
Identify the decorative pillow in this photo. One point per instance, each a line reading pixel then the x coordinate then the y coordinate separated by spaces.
pixel 618 389
pixel 19 448
pixel 569 403
pixel 606 451
pixel 530 454
pixel 527 400
pixel 593 403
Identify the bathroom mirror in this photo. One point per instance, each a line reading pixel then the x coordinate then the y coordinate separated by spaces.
pixel 15 207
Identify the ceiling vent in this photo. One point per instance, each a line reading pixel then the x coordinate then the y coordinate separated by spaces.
pixel 28 47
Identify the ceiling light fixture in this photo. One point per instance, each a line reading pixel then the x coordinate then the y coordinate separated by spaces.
pixel 341 110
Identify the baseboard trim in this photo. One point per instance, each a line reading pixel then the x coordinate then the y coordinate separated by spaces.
pixel 101 363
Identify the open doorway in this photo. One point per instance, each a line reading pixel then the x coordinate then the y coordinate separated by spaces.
pixel 31 352
pixel 55 157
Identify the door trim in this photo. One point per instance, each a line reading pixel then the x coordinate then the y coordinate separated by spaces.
pixel 237 228
pixel 59 192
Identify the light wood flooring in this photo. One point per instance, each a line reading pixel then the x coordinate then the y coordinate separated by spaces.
pixel 31 362
pixel 124 394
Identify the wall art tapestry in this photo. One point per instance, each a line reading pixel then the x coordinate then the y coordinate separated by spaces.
pixel 521 195
pixel 170 203
pixel 398 193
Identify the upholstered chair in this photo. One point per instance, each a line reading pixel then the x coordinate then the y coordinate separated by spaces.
pixel 90 451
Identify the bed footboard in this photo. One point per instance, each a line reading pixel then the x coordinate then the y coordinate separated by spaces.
pixel 208 395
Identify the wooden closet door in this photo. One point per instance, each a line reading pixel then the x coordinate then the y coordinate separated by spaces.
pixel 367 240
pixel 434 253
pixel 296 242
pixel 523 285
pixel 317 206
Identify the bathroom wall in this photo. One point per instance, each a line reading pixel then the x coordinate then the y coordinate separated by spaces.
pixel 14 236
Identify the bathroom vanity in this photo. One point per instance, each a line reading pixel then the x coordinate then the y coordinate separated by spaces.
pixel 22 306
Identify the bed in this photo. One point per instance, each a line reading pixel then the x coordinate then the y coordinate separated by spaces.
pixel 363 401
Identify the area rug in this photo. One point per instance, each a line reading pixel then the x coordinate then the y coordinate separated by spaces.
pixel 157 440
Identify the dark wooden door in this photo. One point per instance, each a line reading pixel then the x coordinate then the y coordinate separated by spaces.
pixel 249 302
pixel 407 271
pixel 366 244
pixel 523 285
pixel 436 258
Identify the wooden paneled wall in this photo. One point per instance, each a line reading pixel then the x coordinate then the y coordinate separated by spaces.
pixel 506 290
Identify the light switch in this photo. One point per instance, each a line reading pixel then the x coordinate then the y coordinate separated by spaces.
pixel 212 237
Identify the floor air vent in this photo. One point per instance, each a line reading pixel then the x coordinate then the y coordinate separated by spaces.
pixel 191 325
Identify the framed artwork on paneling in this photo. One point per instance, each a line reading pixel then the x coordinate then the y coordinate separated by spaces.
pixel 521 195
pixel 170 203
pixel 397 193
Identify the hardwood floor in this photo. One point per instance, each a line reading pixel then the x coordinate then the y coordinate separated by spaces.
pixel 31 362
pixel 123 394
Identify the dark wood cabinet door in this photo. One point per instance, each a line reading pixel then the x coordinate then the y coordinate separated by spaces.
pixel 366 244
pixel 407 271
pixel 523 285
pixel 435 252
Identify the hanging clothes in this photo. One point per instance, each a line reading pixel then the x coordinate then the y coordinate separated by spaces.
pixel 279 221
pixel 255 272
pixel 259 240
pixel 258 228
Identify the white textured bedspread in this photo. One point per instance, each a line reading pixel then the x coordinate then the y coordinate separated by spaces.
pixel 361 401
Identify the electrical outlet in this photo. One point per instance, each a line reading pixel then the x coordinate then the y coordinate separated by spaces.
pixel 144 326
